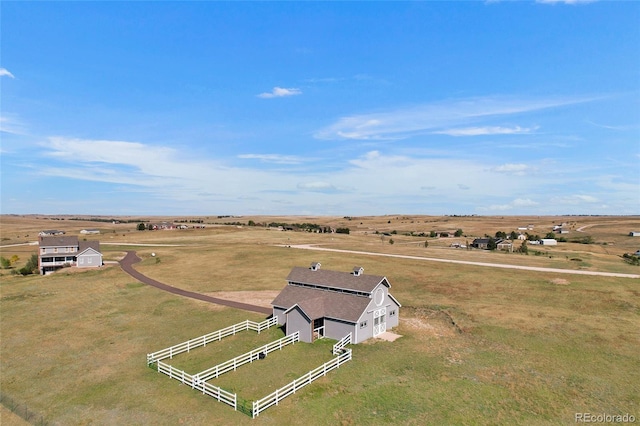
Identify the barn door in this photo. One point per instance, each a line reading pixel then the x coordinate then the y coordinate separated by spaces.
pixel 379 321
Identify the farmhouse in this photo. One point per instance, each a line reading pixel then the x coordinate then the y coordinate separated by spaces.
pixel 50 232
pixel 58 252
pixel 322 303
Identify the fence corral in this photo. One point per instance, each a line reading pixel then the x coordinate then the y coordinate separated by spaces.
pixel 211 337
pixel 232 364
pixel 291 388
pixel 199 381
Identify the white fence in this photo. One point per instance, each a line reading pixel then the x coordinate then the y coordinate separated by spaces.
pixel 338 347
pixel 187 379
pixel 255 354
pixel 211 337
pixel 291 388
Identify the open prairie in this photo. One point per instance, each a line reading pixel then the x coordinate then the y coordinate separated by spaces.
pixel 480 345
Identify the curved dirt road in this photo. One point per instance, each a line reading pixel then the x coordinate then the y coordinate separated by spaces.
pixel 127 265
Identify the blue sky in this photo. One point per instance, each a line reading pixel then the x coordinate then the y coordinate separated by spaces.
pixel 323 108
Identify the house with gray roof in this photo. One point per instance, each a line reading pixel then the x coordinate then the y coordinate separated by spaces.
pixel 61 251
pixel 323 303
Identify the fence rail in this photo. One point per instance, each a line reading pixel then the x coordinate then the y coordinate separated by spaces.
pixel 206 388
pixel 255 354
pixel 339 347
pixel 283 392
pixel 211 337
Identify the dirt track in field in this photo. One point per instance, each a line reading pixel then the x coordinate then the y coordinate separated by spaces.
pixel 131 258
pixel 466 262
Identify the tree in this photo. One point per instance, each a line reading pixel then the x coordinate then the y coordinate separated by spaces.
pixel 5 263
pixel 426 244
pixel 458 233
pixel 501 234
pixel 492 245
pixel 514 235
pixel 141 227
pixel 391 241
pixel 432 234
pixel 31 266
pixel 524 248
pixel 251 223
pixel 14 259
pixel 550 235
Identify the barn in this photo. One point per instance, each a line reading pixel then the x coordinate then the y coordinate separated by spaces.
pixel 324 303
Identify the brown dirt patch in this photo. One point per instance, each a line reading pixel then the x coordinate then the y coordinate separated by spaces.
pixel 258 298
pixel 559 281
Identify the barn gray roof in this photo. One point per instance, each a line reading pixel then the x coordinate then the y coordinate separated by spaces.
pixel 318 304
pixel 336 280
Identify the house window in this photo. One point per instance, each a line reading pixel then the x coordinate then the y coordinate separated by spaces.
pixel 363 324
pixel 47 259
pixel 392 313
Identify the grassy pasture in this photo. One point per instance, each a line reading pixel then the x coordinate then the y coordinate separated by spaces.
pixel 526 348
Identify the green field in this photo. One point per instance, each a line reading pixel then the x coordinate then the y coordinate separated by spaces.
pixel 526 347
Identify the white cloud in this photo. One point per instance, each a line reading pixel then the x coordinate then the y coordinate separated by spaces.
pixel 5 73
pixel 575 199
pixel 273 158
pixel 318 187
pixel 486 130
pixel 513 168
pixel 279 92
pixel 437 117
pixel 519 203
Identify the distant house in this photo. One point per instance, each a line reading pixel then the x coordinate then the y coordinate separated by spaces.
pixel 504 245
pixel 90 231
pixel 162 225
pixel 481 243
pixel 319 302
pixel 60 251
pixel 50 232
pixel 562 231
pixel 634 234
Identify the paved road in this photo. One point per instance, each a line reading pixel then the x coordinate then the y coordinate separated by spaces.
pixel 131 258
pixel 465 262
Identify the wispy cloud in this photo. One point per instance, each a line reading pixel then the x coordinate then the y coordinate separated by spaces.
pixel 280 92
pixel 565 1
pixel 319 186
pixel 439 117
pixel 518 203
pixel 5 73
pixel 513 169
pixel 273 158
pixel 486 130
pixel 11 125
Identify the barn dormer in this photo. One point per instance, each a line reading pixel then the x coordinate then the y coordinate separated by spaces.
pixel 357 271
pixel 315 266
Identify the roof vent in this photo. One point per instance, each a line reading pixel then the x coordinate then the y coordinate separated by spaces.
pixel 315 266
pixel 358 270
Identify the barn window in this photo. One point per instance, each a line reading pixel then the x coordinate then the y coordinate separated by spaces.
pixel 363 324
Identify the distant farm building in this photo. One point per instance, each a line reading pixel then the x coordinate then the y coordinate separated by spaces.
pixel 58 252
pixel 549 242
pixel 50 232
pixel 318 302
pixel 634 234
pixel 90 231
